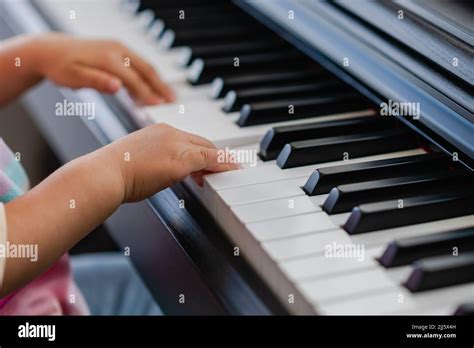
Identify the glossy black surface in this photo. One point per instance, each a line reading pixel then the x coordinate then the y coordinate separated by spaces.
pixel 381 215
pixel 323 180
pixel 206 70
pixel 277 137
pixel 404 251
pixel 305 152
pixel 345 197
pixel 221 86
pixel 297 108
pixel 236 99
pixel 441 271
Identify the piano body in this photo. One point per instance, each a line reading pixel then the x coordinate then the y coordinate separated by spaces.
pixel 361 200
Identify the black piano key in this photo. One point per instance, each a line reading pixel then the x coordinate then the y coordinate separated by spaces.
pixel 407 250
pixel 277 137
pixel 343 198
pixel 221 86
pixel 323 180
pixel 223 50
pixel 292 109
pixel 305 152
pixel 441 271
pixel 465 309
pixel 205 70
pixel 216 21
pixel 166 4
pixel 175 38
pixel 389 214
pixel 234 100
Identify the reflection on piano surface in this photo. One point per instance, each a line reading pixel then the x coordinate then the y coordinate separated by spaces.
pixel 345 211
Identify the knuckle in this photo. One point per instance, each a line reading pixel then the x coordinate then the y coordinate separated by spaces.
pixel 203 154
pixel 114 45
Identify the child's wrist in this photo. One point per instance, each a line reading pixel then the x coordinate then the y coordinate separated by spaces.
pixel 111 164
pixel 101 170
pixel 32 48
pixel 26 54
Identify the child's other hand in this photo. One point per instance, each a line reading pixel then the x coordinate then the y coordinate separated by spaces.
pixel 104 65
pixel 157 156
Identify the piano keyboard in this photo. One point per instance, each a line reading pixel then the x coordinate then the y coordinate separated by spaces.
pixel 344 212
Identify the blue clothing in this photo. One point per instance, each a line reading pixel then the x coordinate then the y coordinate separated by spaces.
pixel 111 286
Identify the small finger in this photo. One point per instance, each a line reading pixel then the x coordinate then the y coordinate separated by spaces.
pixel 85 77
pixel 151 76
pixel 198 178
pixel 135 84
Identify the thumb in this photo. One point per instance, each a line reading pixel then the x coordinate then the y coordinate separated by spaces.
pixel 201 158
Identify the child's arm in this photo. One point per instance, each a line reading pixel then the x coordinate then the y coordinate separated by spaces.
pixel 70 203
pixel 101 64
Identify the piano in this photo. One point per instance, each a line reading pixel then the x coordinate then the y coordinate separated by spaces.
pixel 358 118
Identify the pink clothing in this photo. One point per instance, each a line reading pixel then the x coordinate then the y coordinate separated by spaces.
pixel 52 293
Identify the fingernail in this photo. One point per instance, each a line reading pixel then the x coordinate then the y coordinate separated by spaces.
pixel 171 96
pixel 156 100
pixel 114 84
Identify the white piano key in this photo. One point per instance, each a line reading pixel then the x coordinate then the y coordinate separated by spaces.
pixel 447 298
pixel 370 304
pixel 318 200
pixel 345 286
pixel 185 93
pixel 338 219
pixel 330 263
pixel 304 245
pixel 262 192
pixel 273 209
pixel 290 226
pixel 145 18
pixel 249 154
pixel 397 274
pixel 401 301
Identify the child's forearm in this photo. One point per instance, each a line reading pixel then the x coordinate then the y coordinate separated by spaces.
pixel 18 67
pixel 60 211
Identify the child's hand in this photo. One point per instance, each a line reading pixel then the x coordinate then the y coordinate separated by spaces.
pixel 99 64
pixel 128 170
pixel 157 156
